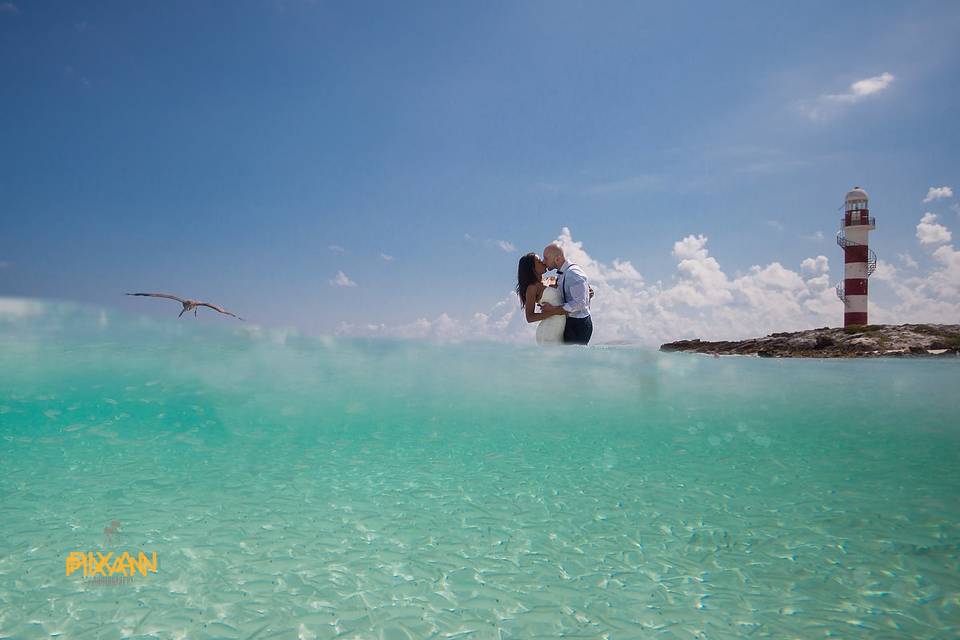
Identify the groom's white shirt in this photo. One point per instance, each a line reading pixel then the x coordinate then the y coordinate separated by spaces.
pixel 573 286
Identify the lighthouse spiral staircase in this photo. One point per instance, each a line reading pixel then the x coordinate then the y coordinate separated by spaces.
pixel 871 260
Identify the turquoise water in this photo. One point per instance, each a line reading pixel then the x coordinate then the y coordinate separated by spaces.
pixel 299 487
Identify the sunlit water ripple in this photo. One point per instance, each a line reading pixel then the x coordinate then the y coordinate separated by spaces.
pixel 299 487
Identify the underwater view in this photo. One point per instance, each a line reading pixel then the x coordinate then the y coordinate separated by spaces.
pixel 285 486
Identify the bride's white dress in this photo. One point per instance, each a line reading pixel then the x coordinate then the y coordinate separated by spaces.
pixel 550 330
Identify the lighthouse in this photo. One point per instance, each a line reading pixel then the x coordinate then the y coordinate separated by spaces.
pixel 858 260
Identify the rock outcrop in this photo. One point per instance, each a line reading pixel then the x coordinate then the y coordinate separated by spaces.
pixel 869 341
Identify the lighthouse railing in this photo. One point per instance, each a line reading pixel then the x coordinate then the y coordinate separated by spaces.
pixel 863 222
pixel 871 256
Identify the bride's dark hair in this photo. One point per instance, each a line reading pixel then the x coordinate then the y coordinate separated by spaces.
pixel 526 275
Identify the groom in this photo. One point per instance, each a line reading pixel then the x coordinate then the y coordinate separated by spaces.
pixel 575 292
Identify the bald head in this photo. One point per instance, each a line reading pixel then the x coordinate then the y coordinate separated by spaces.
pixel 553 256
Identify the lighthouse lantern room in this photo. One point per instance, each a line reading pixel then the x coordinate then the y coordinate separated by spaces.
pixel 858 260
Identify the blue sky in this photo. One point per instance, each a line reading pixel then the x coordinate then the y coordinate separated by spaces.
pixel 248 152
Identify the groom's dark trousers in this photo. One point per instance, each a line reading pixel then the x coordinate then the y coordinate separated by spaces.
pixel 578 330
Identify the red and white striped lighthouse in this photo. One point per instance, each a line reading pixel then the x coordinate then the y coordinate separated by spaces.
pixel 858 260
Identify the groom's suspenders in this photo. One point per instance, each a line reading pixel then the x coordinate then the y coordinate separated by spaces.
pixel 563 287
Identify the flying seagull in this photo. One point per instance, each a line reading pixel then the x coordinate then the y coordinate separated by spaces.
pixel 188 305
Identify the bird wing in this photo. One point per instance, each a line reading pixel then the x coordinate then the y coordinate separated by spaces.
pixel 158 295
pixel 220 309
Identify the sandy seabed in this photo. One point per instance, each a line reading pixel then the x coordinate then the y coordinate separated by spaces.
pixel 321 488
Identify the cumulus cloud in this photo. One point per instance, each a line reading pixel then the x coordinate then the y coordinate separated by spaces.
pixel 817 265
pixel 923 296
pixel 885 272
pixel 335 248
pixel 702 300
pixel 946 280
pixel 691 247
pixel 386 258
pixel 908 261
pixel 930 232
pixel 828 103
pixel 702 282
pixel 936 193
pixel 933 296
pixel 341 280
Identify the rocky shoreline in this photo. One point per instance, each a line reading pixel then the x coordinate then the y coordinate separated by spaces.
pixel 869 341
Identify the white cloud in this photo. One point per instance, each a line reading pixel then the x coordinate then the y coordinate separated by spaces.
pixel 925 297
pixel 386 258
pixel 946 280
pixel 936 193
pixel 335 248
pixel 817 236
pixel 692 247
pixel 506 246
pixel 341 280
pixel 828 103
pixel 816 266
pixel 8 7
pixel 908 261
pixel 866 87
pixel 702 282
pixel 929 232
pixel 702 300
pixel 885 272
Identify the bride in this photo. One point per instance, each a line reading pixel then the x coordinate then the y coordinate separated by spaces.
pixel 532 290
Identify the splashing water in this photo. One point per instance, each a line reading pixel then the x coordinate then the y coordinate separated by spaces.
pixel 298 487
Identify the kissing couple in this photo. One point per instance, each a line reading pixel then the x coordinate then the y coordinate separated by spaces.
pixel 564 301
